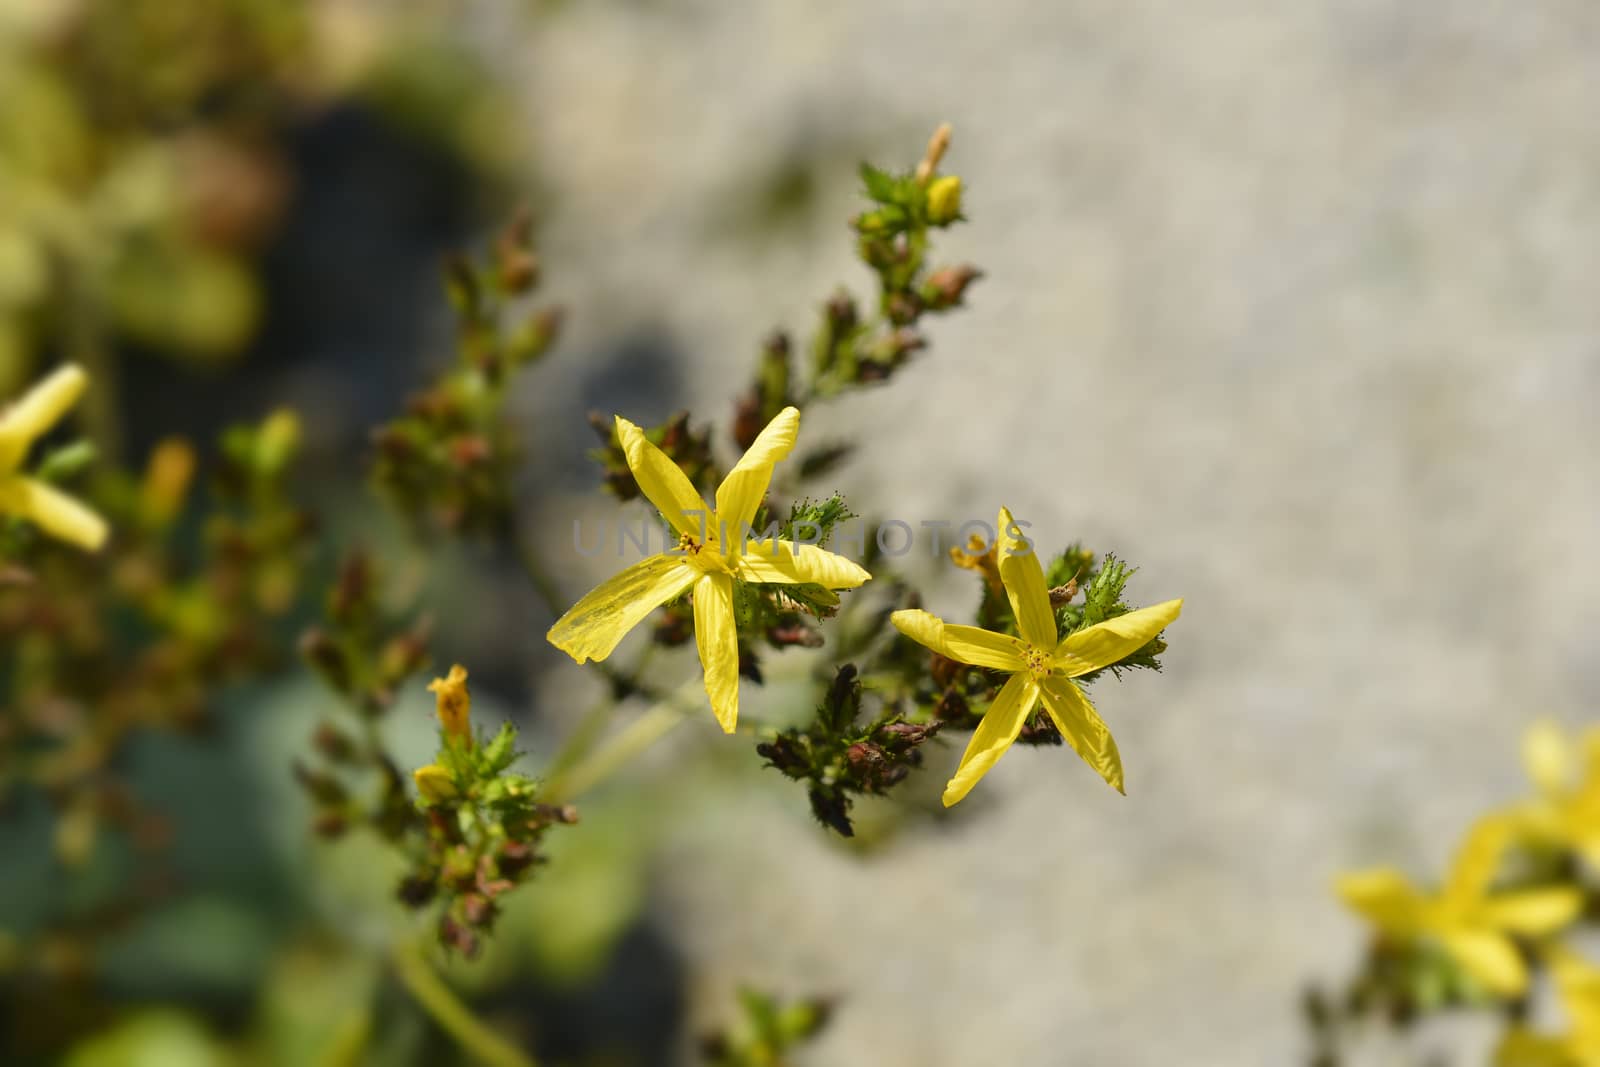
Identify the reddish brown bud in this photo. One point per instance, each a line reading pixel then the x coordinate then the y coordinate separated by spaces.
pixel 946 286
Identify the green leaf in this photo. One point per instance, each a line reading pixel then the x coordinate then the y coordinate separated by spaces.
pixel 880 184
pixel 499 753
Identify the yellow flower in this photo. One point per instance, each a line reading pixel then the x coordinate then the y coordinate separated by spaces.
pixel 434 783
pixel 713 552
pixel 1041 664
pixel 454 704
pixel 1578 984
pixel 981 558
pixel 166 480
pixel 24 422
pixel 1566 813
pixel 1472 926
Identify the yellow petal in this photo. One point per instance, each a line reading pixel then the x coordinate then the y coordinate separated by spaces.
pixel 1533 912
pixel 38 410
pixel 718 640
pixel 1384 897
pixel 597 623
pixel 965 644
pixel 1083 728
pixel 1521 1047
pixel 1024 582
pixel 1578 982
pixel 663 483
pixel 1547 756
pixel 1106 642
pixel 1489 957
pixel 53 511
pixel 741 491
pixel 787 563
pixel 1000 726
pixel 1478 861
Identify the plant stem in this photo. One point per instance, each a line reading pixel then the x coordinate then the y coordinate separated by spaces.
pixel 451 1013
pixel 631 740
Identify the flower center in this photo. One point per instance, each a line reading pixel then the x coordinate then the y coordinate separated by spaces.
pixel 703 555
pixel 1037 660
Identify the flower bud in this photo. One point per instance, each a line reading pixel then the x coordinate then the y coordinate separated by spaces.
pixel 454 705
pixel 435 784
pixel 944 200
pixel 166 480
pixel 945 287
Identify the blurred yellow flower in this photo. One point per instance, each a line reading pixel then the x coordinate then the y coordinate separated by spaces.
pixel 1042 665
pixel 454 704
pixel 167 477
pixel 1566 772
pixel 714 551
pixel 980 558
pixel 24 422
pixel 1474 927
pixel 1577 983
pixel 434 783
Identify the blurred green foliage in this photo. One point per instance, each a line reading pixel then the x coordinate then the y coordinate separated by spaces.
pixel 146 155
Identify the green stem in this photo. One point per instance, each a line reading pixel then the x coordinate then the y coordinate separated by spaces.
pixel 452 1014
pixel 85 343
pixel 629 742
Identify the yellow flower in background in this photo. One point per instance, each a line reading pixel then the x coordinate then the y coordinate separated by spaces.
pixel 454 705
pixel 1472 925
pixel 1566 772
pixel 1041 663
pixel 980 558
pixel 1577 983
pixel 713 553
pixel 23 423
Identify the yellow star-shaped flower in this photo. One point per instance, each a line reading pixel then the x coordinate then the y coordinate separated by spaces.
pixel 714 551
pixel 1566 772
pixel 23 423
pixel 1473 926
pixel 1041 663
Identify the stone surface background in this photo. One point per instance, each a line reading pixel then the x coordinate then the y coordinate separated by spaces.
pixel 1293 305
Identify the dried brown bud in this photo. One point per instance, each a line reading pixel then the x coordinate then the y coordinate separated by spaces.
pixel 333 743
pixel 944 670
pixel 791 630
pixel 747 420
pixel 415 891
pixel 946 286
pixel 470 450
pixel 453 935
pixel 327 658
pixel 323 788
pixel 952 707
pixel 841 312
pixel 330 825
pixel 478 910
pixel 903 308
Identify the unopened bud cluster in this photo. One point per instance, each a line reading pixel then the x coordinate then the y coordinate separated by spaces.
pixel 449 458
